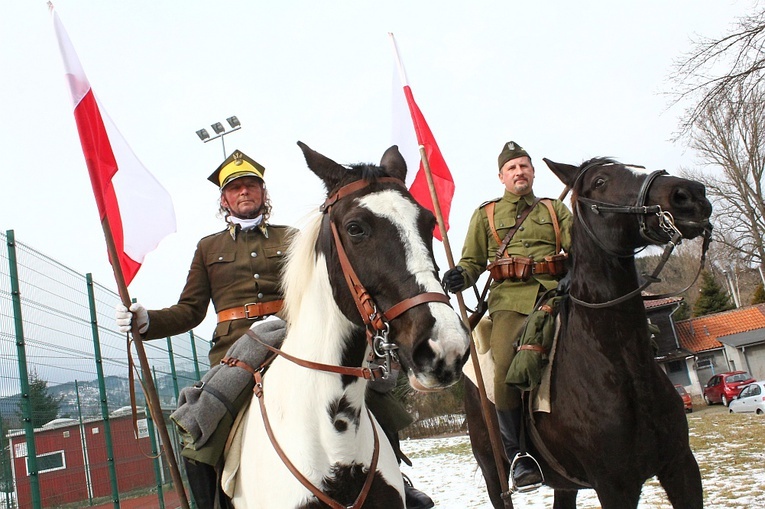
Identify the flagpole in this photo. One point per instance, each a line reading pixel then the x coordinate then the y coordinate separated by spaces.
pixel 492 425
pixel 149 390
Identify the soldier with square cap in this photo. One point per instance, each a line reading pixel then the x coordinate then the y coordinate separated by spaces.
pixel 238 269
pixel 512 299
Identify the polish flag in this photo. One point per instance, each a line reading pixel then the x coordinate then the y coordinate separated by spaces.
pixel 410 130
pixel 139 211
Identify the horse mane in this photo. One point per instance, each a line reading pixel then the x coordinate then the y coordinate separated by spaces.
pixel 300 265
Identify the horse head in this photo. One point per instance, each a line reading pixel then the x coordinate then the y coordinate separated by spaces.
pixel 377 243
pixel 661 204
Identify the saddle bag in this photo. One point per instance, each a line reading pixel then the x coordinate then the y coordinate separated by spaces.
pixel 535 341
pixel 516 268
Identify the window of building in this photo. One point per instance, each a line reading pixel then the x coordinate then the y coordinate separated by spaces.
pixel 49 462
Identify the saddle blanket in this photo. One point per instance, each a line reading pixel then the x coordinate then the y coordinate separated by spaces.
pixel 541 394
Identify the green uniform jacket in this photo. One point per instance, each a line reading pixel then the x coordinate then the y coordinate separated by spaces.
pixel 230 271
pixel 535 239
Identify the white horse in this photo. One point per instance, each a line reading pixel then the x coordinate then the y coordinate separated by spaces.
pixel 391 294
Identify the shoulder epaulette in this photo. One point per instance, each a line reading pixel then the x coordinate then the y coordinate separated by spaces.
pixel 489 201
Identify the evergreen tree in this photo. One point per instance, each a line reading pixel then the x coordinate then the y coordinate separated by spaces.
pixel 683 312
pixel 44 407
pixel 712 298
pixel 759 295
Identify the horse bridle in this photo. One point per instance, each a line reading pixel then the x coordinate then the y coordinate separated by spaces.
pixel 377 324
pixel 377 329
pixel 642 210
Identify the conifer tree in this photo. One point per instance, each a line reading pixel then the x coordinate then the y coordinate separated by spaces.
pixel 759 295
pixel 44 406
pixel 712 298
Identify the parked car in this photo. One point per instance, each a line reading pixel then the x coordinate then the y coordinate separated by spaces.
pixel 722 388
pixel 750 399
pixel 687 401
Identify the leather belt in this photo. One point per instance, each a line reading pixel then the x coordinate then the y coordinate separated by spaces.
pixel 251 311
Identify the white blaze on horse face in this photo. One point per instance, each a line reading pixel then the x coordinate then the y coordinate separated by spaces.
pixel 449 341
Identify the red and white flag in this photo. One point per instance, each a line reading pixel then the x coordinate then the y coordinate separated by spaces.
pixel 138 209
pixel 411 130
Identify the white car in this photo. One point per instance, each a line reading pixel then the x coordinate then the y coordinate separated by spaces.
pixel 750 399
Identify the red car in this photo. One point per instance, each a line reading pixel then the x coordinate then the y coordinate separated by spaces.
pixel 724 387
pixel 687 401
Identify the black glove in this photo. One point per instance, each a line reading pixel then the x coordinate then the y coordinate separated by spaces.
pixel 454 279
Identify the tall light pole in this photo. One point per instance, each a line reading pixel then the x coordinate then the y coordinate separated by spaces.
pixel 220 131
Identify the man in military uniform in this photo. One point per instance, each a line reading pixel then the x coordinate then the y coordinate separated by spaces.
pixel 512 299
pixel 238 269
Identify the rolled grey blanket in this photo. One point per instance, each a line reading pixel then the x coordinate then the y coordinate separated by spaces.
pixel 202 406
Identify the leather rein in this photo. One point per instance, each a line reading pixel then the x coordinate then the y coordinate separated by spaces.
pixel 671 236
pixel 377 329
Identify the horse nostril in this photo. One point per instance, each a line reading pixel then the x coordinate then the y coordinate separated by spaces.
pixel 681 198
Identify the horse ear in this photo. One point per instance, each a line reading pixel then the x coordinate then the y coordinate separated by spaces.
pixel 393 163
pixel 565 172
pixel 325 168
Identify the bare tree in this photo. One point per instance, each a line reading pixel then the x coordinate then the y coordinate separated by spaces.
pixel 729 139
pixel 714 68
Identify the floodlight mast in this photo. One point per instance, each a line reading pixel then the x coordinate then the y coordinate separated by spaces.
pixel 220 131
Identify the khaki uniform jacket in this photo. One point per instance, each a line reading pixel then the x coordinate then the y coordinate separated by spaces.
pixel 535 239
pixel 230 271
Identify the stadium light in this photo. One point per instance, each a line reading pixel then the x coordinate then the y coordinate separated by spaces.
pixel 220 131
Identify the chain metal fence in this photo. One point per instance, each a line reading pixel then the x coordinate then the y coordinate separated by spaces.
pixel 69 437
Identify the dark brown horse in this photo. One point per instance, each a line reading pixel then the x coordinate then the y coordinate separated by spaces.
pixel 616 419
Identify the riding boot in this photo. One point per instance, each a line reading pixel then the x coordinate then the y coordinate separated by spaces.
pixel 526 471
pixel 203 481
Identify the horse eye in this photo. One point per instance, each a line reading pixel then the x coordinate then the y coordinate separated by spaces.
pixel 354 230
pixel 599 182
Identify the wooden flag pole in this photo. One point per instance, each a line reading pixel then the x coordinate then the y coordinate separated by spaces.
pixel 492 426
pixel 149 390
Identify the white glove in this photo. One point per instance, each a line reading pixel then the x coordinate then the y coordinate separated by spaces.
pixel 124 317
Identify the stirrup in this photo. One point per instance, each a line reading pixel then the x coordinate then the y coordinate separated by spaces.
pixel 529 487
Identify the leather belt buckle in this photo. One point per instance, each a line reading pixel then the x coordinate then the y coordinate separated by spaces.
pixel 255 311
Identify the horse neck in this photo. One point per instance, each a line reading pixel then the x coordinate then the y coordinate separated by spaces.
pixel 597 276
pixel 317 331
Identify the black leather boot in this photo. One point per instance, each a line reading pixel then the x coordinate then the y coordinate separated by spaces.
pixel 415 499
pixel 526 471
pixel 203 481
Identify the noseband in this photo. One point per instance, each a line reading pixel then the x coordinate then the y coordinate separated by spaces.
pixel 672 236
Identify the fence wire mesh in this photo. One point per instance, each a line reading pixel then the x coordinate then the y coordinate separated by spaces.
pixel 56 330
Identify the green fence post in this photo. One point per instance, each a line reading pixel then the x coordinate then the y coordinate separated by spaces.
pixel 7 475
pixel 26 411
pixel 84 445
pixel 154 452
pixel 194 354
pixel 174 375
pixel 102 392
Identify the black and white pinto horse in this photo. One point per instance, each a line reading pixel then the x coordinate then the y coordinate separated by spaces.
pixel 318 418
pixel 615 420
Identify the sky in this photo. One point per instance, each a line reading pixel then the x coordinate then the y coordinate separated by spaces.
pixel 567 80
